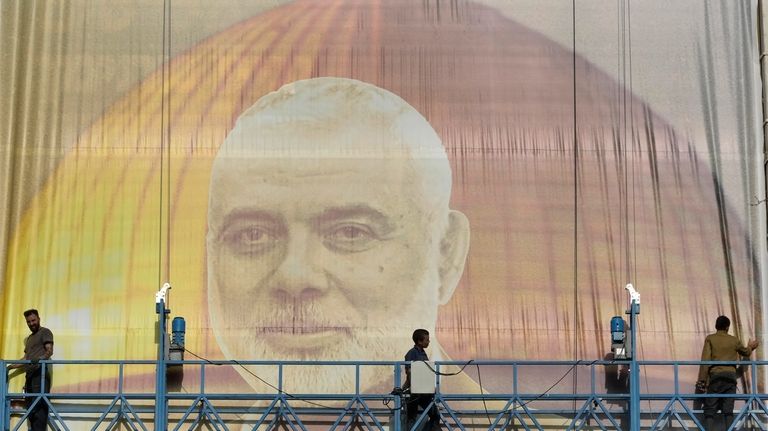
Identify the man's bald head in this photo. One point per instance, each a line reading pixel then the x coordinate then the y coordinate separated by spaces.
pixel 339 118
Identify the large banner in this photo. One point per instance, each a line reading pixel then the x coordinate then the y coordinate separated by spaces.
pixel 317 179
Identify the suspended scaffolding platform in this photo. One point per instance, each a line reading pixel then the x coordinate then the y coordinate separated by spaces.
pixel 539 395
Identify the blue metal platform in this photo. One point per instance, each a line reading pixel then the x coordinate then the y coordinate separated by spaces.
pixel 534 395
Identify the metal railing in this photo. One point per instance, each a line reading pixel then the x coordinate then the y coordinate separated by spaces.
pixel 257 395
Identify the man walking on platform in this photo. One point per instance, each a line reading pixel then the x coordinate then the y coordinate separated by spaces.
pixel 423 401
pixel 721 379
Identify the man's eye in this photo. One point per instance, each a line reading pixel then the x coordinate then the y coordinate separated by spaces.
pixel 253 239
pixel 350 238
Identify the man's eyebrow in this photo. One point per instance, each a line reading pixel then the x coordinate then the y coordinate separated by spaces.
pixel 353 211
pixel 239 214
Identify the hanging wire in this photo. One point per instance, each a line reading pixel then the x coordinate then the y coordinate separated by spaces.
pixel 575 206
pixel 626 139
pixel 625 143
pixel 620 94
pixel 167 146
pixel 162 153
pixel 164 223
pixel 629 243
pixel 633 135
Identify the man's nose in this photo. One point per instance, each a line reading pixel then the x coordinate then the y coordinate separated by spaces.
pixel 300 275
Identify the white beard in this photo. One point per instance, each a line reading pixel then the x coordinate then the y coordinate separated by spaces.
pixel 244 338
pixel 388 344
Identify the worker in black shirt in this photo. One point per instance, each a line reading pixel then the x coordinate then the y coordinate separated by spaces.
pixel 422 401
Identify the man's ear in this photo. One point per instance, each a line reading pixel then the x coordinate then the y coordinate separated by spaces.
pixel 453 254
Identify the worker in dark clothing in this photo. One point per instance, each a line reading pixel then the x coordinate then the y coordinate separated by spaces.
pixel 721 379
pixel 37 346
pixel 423 401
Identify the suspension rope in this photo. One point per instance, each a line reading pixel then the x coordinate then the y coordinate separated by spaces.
pixel 629 243
pixel 575 205
pixel 167 146
pixel 164 219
